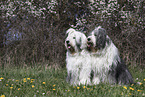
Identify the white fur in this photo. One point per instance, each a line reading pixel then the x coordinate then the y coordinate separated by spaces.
pixel 102 60
pixel 77 65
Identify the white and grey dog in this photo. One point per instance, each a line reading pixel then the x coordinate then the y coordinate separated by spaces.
pixel 107 66
pixel 78 68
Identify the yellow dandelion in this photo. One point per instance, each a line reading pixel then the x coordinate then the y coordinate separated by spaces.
pixel 1 78
pixel 18 89
pixel 53 85
pixel 78 88
pixel 84 87
pixel 17 80
pixel 68 90
pixel 31 82
pixel 43 83
pixel 6 84
pixel 2 96
pixel 33 86
pixel 11 87
pixel 132 84
pixel 131 88
pixel 32 79
pixel 129 93
pixel 124 87
pixel 28 78
pixel 144 79
pixel 54 89
pixel 139 90
pixel 140 83
pixel 24 80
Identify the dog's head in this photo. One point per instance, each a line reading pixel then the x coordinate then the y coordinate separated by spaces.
pixel 75 41
pixel 97 40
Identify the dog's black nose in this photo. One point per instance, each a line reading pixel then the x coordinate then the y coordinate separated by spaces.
pixel 67 41
pixel 89 39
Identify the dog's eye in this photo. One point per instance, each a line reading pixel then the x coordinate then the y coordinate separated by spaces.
pixel 74 38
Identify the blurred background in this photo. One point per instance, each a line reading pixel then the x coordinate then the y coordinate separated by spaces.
pixel 33 31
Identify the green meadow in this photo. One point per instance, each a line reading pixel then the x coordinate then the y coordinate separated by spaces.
pixel 40 81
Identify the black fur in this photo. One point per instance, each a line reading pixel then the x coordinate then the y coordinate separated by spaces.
pixel 119 72
pixel 100 35
pixel 122 74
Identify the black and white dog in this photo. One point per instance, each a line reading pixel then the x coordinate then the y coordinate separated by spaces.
pixel 78 68
pixel 106 64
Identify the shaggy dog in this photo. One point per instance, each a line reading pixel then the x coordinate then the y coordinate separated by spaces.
pixel 78 68
pixel 107 66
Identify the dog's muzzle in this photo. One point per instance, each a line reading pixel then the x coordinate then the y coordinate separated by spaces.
pixel 89 43
pixel 68 44
pixel 70 47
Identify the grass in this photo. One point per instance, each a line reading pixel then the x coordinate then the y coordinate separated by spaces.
pixel 42 82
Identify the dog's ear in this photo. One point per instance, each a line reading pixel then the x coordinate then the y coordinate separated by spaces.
pixel 101 38
pixel 83 41
pixel 66 35
pixel 69 31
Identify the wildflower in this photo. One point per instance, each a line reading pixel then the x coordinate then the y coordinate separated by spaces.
pixel 140 83
pixel 32 80
pixel 68 90
pixel 144 79
pixel 43 93
pixel 84 87
pixel 28 78
pixel 24 80
pixel 2 96
pixel 53 89
pixel 6 84
pixel 139 90
pixel 33 86
pixel 132 84
pixel 1 78
pixel 53 85
pixel 129 93
pixel 18 89
pixel 11 87
pixel 124 87
pixel 17 80
pixel 78 88
pixel 43 83
pixel 131 88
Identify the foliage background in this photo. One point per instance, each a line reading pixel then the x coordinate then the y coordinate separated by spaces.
pixel 33 31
